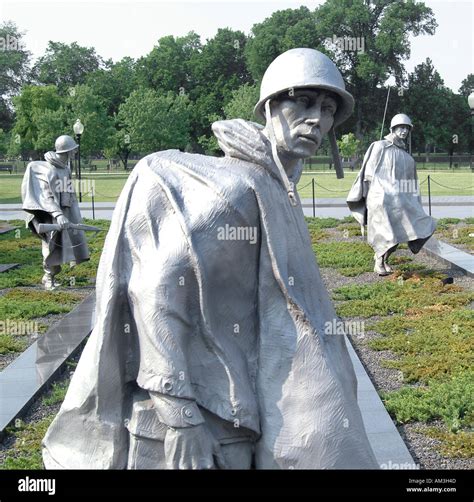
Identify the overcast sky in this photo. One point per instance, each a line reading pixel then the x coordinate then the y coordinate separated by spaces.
pixel 118 29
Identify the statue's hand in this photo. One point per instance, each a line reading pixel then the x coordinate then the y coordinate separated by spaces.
pixel 192 448
pixel 62 221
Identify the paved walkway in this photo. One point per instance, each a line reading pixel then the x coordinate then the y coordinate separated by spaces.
pixel 441 207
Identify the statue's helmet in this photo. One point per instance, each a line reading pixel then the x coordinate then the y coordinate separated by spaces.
pixel 304 68
pixel 65 144
pixel 401 119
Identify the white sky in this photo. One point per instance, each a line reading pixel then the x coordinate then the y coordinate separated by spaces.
pixel 118 29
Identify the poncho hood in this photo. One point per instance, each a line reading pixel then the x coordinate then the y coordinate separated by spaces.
pixel 247 141
pixel 54 159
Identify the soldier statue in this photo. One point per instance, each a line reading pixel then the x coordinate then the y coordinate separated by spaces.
pixel 210 348
pixel 385 196
pixel 49 199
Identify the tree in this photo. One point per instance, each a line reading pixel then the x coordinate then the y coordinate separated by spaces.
pixel 119 146
pixel 82 103
pixel 283 30
pixel 217 70
pixel 467 85
pixel 242 103
pixel 37 109
pixel 438 114
pixel 14 69
pixel 155 121
pixel 166 67
pixel 384 27
pixel 114 83
pixel 348 146
pixel 66 65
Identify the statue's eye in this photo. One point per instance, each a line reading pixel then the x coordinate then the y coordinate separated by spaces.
pixel 329 108
pixel 304 100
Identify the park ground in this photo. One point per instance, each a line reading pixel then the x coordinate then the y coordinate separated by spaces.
pixel 415 334
pixel 108 185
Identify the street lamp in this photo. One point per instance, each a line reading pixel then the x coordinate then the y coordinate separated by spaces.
pixel 78 128
pixel 470 101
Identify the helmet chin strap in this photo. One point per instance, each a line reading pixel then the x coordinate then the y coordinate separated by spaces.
pixel 289 186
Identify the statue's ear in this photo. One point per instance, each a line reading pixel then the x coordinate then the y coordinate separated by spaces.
pixel 335 153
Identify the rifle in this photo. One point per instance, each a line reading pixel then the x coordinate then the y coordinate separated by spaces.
pixel 50 227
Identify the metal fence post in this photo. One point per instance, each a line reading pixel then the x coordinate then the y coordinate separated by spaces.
pixel 314 199
pixel 93 207
pixel 429 194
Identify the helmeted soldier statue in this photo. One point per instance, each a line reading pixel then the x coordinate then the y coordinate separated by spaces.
pixel 385 196
pixel 48 197
pixel 211 346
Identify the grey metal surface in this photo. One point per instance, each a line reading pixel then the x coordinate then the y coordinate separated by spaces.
pixel 450 255
pixel 26 377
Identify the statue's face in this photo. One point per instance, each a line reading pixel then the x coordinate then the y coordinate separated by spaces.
pixel 300 121
pixel 401 131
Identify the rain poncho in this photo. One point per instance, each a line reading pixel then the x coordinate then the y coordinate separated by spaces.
pixel 47 191
pixel 385 196
pixel 208 289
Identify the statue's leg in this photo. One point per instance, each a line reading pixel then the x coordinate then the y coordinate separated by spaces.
pixel 386 256
pixel 238 455
pixel 379 265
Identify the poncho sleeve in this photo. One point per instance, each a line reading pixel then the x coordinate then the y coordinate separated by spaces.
pixel 162 293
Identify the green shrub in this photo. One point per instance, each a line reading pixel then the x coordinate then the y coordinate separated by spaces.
pixel 451 400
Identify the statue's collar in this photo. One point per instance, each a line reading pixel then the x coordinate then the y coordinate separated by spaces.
pixel 395 140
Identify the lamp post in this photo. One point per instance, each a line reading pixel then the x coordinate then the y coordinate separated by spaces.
pixel 470 101
pixel 78 128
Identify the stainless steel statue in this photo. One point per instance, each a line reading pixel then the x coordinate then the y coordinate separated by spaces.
pixel 211 347
pixel 49 199
pixel 385 196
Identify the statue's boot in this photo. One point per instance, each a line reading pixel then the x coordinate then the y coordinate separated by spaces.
pixel 48 282
pixel 379 266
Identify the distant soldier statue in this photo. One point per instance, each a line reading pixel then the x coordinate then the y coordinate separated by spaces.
pixel 48 197
pixel 385 196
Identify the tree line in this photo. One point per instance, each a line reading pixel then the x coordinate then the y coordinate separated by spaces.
pixel 169 97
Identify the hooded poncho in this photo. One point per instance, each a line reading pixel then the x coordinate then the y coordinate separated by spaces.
pixel 188 305
pixel 385 196
pixel 47 190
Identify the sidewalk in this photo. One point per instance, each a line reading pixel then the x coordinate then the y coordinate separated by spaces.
pixel 441 207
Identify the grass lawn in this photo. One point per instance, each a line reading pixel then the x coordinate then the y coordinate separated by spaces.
pixel 108 186
pixel 426 325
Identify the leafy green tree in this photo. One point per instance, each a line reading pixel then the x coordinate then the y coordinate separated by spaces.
pixel 283 30
pixel 84 104
pixel 467 85
pixel 155 121
pixel 4 141
pixel 166 67
pixel 242 103
pixel 35 108
pixel 66 65
pixel 14 69
pixel 384 27
pixel 114 83
pixel 119 146
pixel 348 146
pixel 438 114
pixel 217 70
